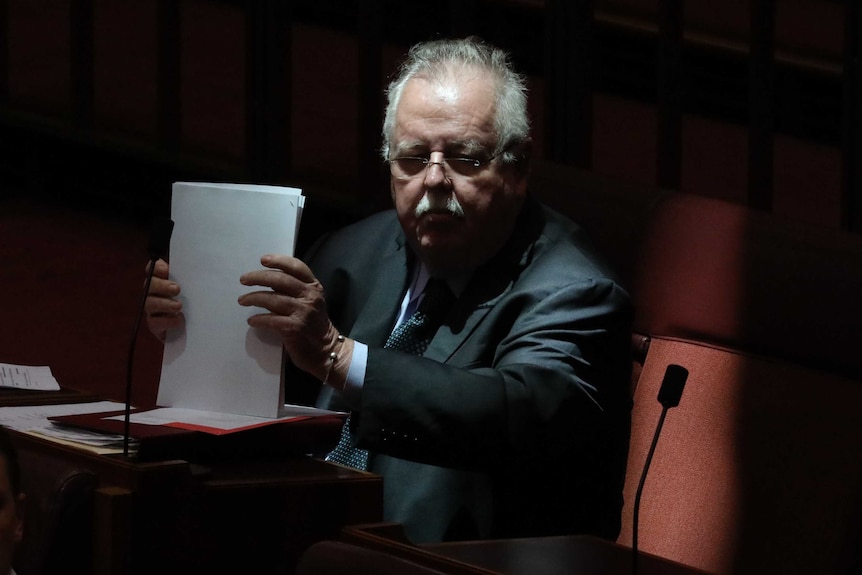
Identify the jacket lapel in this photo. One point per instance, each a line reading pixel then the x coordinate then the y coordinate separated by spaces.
pixel 469 311
pixel 378 315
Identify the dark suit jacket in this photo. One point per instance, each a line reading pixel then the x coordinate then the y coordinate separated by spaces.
pixel 515 422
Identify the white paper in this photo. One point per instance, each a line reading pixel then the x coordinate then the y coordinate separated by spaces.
pixel 33 420
pixel 216 362
pixel 35 417
pixel 77 435
pixel 222 421
pixel 37 378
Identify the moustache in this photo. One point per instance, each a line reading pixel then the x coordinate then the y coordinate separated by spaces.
pixel 449 205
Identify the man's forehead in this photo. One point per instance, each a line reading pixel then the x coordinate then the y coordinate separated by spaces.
pixel 450 85
pixel 434 113
pixel 447 93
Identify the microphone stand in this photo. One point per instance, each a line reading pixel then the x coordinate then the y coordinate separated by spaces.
pixel 160 239
pixel 669 395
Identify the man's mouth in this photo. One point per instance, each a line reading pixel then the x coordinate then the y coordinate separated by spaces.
pixel 441 214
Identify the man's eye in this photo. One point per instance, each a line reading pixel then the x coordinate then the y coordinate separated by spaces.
pixel 464 165
pixel 411 165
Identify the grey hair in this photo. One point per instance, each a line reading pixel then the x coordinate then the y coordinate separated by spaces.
pixel 435 60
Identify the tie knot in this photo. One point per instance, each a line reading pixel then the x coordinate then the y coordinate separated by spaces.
pixel 415 333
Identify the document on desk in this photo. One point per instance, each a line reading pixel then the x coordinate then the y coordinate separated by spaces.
pixel 216 362
pixel 34 419
pixel 33 377
pixel 222 423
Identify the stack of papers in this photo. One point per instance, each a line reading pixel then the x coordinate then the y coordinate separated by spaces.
pixel 216 362
pixel 219 423
pixel 37 378
pixel 33 419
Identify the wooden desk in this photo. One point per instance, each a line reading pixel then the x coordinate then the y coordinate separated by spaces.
pixel 564 555
pixel 196 515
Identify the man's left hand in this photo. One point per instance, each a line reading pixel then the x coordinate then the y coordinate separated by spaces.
pixel 297 312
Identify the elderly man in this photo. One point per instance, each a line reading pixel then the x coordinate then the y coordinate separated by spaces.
pixel 481 348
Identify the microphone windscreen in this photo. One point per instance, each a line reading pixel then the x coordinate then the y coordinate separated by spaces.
pixel 671 386
pixel 160 237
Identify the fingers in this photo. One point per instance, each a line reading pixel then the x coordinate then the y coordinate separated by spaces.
pixel 285 276
pixel 296 309
pixel 161 270
pixel 276 280
pixel 163 288
pixel 163 312
pixel 160 285
pixel 160 297
pixel 305 305
pixel 291 266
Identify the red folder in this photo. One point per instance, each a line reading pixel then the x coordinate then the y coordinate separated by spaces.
pixel 286 437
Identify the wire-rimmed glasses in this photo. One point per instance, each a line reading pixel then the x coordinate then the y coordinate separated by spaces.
pixel 410 167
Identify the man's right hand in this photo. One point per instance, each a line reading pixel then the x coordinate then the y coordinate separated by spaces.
pixel 163 311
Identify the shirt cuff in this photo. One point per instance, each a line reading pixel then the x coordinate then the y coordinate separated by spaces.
pixel 355 375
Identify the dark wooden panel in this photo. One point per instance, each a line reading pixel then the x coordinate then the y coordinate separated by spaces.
pixel 4 52
pixel 761 126
pixel 370 100
pixel 268 90
pixel 669 95
pixel 82 54
pixel 852 124
pixel 168 58
pixel 569 50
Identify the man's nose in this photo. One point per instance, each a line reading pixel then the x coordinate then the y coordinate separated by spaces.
pixel 436 171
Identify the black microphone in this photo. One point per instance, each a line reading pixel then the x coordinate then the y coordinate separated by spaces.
pixel 160 241
pixel 160 237
pixel 668 395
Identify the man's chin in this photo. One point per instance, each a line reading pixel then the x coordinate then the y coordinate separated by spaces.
pixel 442 253
pixel 436 242
pixel 441 231
pixel 439 223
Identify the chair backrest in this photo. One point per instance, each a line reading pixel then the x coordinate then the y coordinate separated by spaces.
pixel 720 273
pixel 714 271
pixel 58 517
pixel 758 470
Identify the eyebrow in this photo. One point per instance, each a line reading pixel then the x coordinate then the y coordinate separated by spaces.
pixel 466 147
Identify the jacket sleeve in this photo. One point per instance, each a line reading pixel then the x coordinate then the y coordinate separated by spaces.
pixel 544 376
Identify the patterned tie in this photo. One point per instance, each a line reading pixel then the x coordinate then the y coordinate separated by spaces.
pixel 410 336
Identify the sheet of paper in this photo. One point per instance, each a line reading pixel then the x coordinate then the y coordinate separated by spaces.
pixel 214 422
pixel 37 378
pixel 99 448
pixel 216 362
pixel 35 417
pixel 33 420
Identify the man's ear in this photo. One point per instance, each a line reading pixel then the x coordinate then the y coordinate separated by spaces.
pixel 524 152
pixel 521 167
